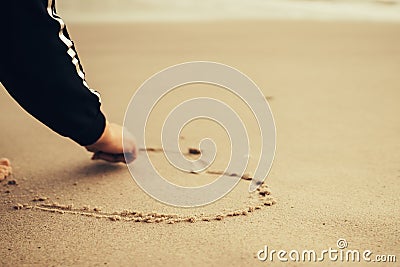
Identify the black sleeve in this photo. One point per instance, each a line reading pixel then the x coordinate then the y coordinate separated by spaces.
pixel 41 70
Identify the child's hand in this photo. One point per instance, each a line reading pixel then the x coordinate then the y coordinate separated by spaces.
pixel 109 147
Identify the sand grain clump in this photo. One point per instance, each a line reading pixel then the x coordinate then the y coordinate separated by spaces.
pixel 5 168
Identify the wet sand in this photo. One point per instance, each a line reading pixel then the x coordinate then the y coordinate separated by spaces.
pixel 333 89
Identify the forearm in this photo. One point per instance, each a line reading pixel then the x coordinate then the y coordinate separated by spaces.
pixel 41 70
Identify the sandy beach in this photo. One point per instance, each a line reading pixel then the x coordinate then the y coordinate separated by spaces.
pixel 333 88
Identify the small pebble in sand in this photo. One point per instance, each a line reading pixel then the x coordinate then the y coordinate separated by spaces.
pixel 264 192
pixel 219 217
pixel 12 182
pixel 191 219
pixel 237 213
pixel 194 151
pixel 18 206
pixel 247 176
pixel 96 209
pixel 115 218
pixel 39 198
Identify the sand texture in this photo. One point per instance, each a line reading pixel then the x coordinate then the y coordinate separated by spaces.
pixel 334 90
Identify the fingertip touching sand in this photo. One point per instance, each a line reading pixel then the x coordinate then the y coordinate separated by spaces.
pixel 39 202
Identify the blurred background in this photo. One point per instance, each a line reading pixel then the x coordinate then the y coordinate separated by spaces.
pixel 192 10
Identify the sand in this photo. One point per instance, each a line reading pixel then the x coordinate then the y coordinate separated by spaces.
pixel 333 88
pixel 5 168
